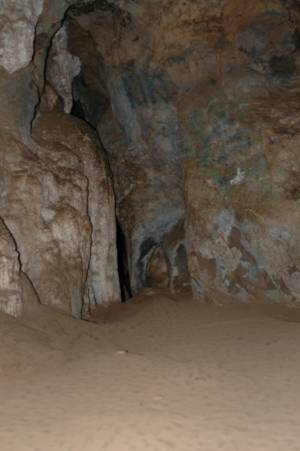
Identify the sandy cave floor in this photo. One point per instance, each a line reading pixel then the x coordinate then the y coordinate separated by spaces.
pixel 195 377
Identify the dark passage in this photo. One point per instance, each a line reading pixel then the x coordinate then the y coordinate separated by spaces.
pixel 123 267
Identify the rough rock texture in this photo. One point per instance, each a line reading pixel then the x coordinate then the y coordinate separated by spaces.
pixel 137 121
pixel 58 203
pixel 63 68
pixel 10 272
pixel 59 238
pixel 198 114
pixel 18 92
pixel 27 28
pixel 86 186
pixel 242 174
pixel 196 104
pixel 18 19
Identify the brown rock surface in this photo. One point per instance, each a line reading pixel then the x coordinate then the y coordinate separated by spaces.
pixel 196 104
pixel 211 88
pixel 10 272
pixel 58 203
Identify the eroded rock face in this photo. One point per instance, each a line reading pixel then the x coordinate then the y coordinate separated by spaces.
pixel 58 203
pixel 58 238
pixel 241 182
pixel 26 30
pixel 139 130
pixel 18 19
pixel 147 176
pixel 208 89
pixel 196 104
pixel 10 274
pixel 63 68
pixel 245 242
pixel 81 157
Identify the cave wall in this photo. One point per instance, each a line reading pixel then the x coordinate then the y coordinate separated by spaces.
pixel 57 205
pixel 190 108
pixel 137 121
pixel 242 174
pixel 202 127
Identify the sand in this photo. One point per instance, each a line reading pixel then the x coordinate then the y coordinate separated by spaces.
pixel 160 373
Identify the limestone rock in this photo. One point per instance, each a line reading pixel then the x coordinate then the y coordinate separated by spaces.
pixel 211 88
pixel 139 133
pixel 63 68
pixel 196 104
pixel 10 274
pixel 102 285
pixel 26 30
pixel 18 19
pixel 59 205
pixel 241 164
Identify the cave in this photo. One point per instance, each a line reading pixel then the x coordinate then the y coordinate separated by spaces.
pixel 149 225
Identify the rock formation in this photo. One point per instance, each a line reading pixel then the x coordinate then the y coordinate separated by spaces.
pixel 10 272
pixel 56 200
pixel 194 107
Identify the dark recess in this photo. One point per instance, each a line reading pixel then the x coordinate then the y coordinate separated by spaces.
pixel 123 268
